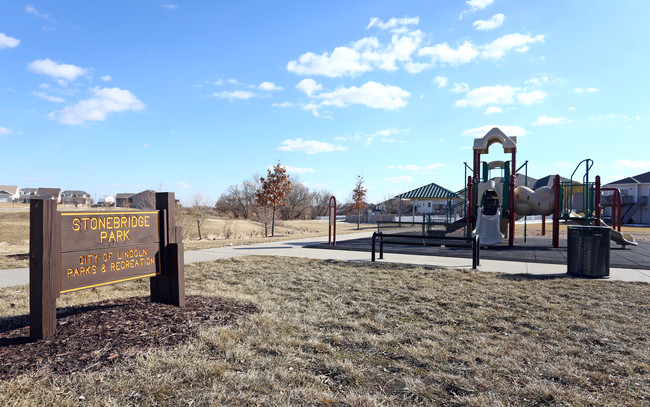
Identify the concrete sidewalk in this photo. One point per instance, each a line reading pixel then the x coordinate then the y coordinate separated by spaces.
pixel 296 248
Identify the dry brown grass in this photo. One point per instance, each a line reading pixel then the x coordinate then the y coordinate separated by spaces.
pixel 334 333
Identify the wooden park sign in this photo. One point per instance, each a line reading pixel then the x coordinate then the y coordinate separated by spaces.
pixel 72 251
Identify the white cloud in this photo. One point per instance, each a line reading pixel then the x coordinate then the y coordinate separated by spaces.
pixel 283 104
pixel 460 88
pixel 235 94
pixel 444 54
pixel 49 98
pixel 499 94
pixel 102 102
pixel 297 170
pixel 8 42
pixel 56 70
pixel 393 22
pixel 493 109
pixel 583 90
pixel 269 86
pixel 309 146
pixel 537 81
pixel 183 185
pixel 418 169
pixel 309 86
pixel 399 179
pixel 5 131
pixel 169 6
pixel 385 136
pixel 545 120
pixel 371 94
pixel 234 82
pixel 369 53
pixel 343 61
pixel 510 131
pixel 637 165
pixel 476 5
pixel 441 81
pixel 530 98
pixel 106 78
pixel 486 25
pixel 519 42
pixel 34 12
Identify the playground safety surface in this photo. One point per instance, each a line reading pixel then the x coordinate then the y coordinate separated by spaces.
pixel 534 250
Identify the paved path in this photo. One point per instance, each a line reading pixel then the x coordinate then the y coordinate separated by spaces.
pixel 297 248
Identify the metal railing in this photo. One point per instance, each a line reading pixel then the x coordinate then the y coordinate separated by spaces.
pixel 473 242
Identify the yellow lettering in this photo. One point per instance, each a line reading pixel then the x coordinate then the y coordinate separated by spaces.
pixel 70 271
pixel 101 223
pixel 102 235
pixel 93 223
pixel 85 223
pixel 126 235
pixel 146 221
pixel 75 224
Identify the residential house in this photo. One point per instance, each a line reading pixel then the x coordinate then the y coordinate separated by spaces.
pixel 49 193
pixel 9 193
pixel 141 200
pixel 76 198
pixel 26 194
pixel 634 198
pixel 433 199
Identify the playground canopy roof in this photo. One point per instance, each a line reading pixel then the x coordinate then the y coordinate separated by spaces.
pixel 430 191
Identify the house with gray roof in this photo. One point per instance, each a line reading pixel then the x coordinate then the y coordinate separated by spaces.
pixel 9 193
pixel 431 199
pixel 634 196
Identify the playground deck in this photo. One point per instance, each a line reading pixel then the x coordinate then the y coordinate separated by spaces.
pixel 534 250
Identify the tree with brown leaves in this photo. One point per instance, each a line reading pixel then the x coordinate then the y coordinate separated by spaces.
pixel 358 193
pixel 273 191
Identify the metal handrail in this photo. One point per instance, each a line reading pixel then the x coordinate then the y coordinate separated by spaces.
pixel 475 244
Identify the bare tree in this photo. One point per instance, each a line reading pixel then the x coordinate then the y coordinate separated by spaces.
pixel 239 200
pixel 298 201
pixel 198 211
pixel 358 193
pixel 273 191
pixel 321 203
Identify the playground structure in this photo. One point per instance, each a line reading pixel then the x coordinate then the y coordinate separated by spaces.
pixel 494 204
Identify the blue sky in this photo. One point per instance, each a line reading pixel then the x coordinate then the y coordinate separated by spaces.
pixel 192 97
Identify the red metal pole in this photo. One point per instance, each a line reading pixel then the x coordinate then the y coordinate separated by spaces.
pixel 543 225
pixel 470 202
pixel 556 212
pixel 511 237
pixel 616 208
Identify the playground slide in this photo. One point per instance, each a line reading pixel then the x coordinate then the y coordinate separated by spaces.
pixel 488 228
pixel 614 235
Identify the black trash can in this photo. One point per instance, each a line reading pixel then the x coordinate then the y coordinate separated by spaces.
pixel 588 251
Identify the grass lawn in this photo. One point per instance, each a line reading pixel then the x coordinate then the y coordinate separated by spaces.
pixel 361 334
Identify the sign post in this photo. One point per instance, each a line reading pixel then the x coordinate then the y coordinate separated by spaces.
pixel 73 251
pixel 332 215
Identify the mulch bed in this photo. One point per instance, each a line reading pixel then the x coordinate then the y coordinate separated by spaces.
pixel 93 336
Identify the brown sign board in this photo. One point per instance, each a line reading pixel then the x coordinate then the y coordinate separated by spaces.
pixel 99 248
pixel 94 268
pixel 94 230
pixel 72 251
